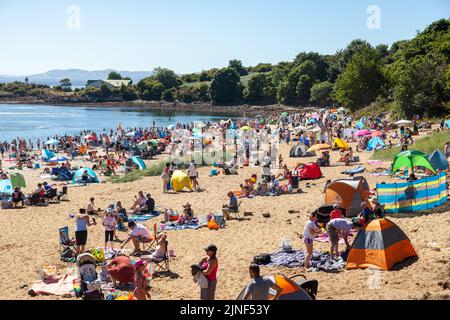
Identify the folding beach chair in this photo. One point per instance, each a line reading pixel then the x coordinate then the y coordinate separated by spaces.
pixel 63 195
pixel 65 241
pixel 162 265
pixel 151 245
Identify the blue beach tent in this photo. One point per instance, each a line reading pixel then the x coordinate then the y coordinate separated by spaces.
pixel 6 187
pixel 47 154
pixel 375 144
pixel 438 160
pixel 77 177
pixel 139 162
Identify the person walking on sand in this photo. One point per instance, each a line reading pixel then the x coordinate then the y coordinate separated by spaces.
pixel 193 175
pixel 309 234
pixel 109 223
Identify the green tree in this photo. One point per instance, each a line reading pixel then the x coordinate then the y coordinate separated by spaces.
pixel 128 93
pixel 353 48
pixel 167 78
pixel 114 75
pixel 65 85
pixel 321 92
pixel 150 89
pixel 304 85
pixel 237 65
pixel 168 95
pixel 423 87
pixel 226 86
pixel 361 82
pixel 259 88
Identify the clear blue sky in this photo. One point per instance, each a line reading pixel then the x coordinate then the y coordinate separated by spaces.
pixel 191 35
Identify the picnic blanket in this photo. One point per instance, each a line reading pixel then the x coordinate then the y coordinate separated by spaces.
pixel 60 286
pixel 202 221
pixel 142 217
pixel 324 237
pixel 319 262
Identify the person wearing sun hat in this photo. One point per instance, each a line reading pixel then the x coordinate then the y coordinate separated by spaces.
pixel 209 265
pixel 140 281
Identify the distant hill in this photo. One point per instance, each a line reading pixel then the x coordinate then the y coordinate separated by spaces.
pixel 77 77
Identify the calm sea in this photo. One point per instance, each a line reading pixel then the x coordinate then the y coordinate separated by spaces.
pixel 42 121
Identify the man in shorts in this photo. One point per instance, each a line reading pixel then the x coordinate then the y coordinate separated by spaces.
pixel 139 234
pixel 336 227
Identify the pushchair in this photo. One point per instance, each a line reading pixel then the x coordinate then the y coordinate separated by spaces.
pixel 90 283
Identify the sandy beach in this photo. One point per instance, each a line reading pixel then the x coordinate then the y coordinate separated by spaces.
pixel 29 238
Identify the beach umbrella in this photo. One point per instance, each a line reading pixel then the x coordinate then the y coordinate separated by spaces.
pixel 403 122
pixel 321 146
pixel 52 142
pixel 362 133
pixel 153 142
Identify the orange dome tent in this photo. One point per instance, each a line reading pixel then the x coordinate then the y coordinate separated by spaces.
pixel 348 194
pixel 380 243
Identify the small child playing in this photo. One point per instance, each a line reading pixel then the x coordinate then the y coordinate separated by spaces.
pixel 140 282
pixel 109 223
pixel 309 234
pixel 336 213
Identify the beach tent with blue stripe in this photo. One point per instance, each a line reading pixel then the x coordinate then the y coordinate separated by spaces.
pixel 139 162
pixel 375 144
pixel 6 187
pixel 47 155
pixel 77 177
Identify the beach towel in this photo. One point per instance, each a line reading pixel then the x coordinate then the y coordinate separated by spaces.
pixel 176 227
pixel 142 217
pixel 61 286
pixel 354 170
pixel 319 261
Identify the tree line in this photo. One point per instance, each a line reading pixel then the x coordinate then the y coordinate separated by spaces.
pixel 411 77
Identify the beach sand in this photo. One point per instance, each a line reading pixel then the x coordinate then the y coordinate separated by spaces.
pixel 29 238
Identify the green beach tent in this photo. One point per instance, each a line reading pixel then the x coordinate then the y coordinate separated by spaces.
pixel 411 159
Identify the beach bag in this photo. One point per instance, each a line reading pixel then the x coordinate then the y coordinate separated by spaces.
pixel 99 255
pixel 212 225
pixel 67 255
pixel 262 259
pixel 286 245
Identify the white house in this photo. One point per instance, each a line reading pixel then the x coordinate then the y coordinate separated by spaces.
pixel 111 84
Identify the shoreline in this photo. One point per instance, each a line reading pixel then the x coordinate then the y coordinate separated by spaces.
pixel 169 106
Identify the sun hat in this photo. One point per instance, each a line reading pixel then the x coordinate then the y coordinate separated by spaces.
pixel 138 264
pixel 211 247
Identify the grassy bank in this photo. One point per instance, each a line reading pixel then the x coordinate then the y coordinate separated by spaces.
pixel 427 144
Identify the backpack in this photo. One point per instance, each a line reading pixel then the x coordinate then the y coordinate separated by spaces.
pixel 262 259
